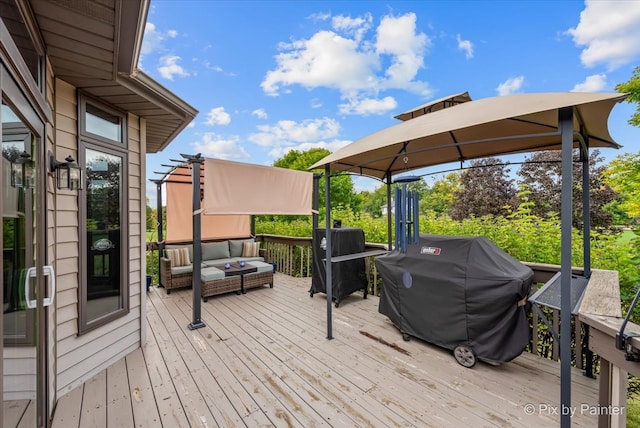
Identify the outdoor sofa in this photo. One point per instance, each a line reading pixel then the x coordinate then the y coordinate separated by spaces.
pixel 176 266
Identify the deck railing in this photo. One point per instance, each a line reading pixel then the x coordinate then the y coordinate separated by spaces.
pixel 294 256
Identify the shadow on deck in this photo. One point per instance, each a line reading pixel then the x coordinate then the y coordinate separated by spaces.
pixel 263 360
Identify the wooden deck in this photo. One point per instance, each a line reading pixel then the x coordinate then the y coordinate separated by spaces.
pixel 263 360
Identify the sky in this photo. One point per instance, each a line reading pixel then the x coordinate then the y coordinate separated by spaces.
pixel 272 76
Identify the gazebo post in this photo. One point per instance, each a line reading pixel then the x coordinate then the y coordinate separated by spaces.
pixel 316 201
pixel 160 223
pixel 389 212
pixel 195 162
pixel 328 279
pixel 586 211
pixel 565 126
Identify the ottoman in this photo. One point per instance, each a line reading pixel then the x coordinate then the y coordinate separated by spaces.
pixel 215 282
pixel 263 276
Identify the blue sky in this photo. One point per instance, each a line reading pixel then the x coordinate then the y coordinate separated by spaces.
pixel 271 76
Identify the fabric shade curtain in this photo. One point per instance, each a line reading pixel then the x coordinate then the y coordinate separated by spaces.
pixel 180 218
pixel 241 188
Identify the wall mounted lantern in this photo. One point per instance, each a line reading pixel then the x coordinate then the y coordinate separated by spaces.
pixel 68 174
pixel 22 172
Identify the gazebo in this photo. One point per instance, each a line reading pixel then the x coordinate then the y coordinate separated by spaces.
pixel 456 129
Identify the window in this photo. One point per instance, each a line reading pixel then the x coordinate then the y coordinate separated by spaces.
pixel 101 123
pixel 31 52
pixel 104 287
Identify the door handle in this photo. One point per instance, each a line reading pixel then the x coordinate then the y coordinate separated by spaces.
pixel 31 273
pixel 49 273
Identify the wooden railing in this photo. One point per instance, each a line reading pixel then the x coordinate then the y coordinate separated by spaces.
pixel 293 256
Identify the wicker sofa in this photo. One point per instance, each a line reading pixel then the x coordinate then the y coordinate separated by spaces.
pixel 178 275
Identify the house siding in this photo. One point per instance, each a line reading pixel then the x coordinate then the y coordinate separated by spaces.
pixel 79 357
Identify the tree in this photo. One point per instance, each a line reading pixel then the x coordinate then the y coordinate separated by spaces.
pixel 440 196
pixel 623 175
pixel 372 202
pixel 152 218
pixel 342 190
pixel 632 87
pixel 542 173
pixel 485 189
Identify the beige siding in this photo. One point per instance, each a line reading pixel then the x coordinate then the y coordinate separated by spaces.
pixel 78 358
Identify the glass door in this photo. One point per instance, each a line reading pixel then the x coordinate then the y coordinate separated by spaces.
pixel 23 288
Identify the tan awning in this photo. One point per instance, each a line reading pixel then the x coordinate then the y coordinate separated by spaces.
pixel 242 188
pixel 476 129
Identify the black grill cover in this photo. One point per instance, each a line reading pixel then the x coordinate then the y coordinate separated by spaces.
pixel 451 290
pixel 347 276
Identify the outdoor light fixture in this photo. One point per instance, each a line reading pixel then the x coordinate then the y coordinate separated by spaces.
pixel 68 174
pixel 22 172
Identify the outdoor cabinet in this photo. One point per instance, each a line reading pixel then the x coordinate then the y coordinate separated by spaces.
pixel 347 276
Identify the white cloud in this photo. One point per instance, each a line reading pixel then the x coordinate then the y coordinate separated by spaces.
pixel 510 86
pixel 397 37
pixel 259 113
pixel 217 116
pixel 287 133
pixel 332 146
pixel 593 83
pixel 152 38
pixel 342 59
pixel 326 59
pixel 219 147
pixel 609 31
pixel 169 67
pixel 466 46
pixel 368 106
pixel 353 26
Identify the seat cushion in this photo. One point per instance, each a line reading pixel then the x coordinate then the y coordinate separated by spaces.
pixel 262 267
pixel 218 262
pixel 215 250
pixel 211 274
pixel 178 270
pixel 250 259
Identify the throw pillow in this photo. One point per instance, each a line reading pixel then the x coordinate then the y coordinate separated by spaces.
pixel 250 249
pixel 235 246
pixel 178 256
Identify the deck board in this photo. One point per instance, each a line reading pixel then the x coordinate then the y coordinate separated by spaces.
pixel 263 360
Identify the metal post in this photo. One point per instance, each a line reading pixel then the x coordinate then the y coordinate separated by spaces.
pixel 565 125
pixel 160 223
pixel 389 213
pixel 328 279
pixel 316 200
pixel 586 211
pixel 196 161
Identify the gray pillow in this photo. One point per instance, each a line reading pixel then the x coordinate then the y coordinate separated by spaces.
pixel 235 246
pixel 215 250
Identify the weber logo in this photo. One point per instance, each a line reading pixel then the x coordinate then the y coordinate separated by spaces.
pixel 432 251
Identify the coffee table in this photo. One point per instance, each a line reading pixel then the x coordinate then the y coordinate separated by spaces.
pixel 236 270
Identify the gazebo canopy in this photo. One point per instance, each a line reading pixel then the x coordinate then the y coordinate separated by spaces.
pixel 477 129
